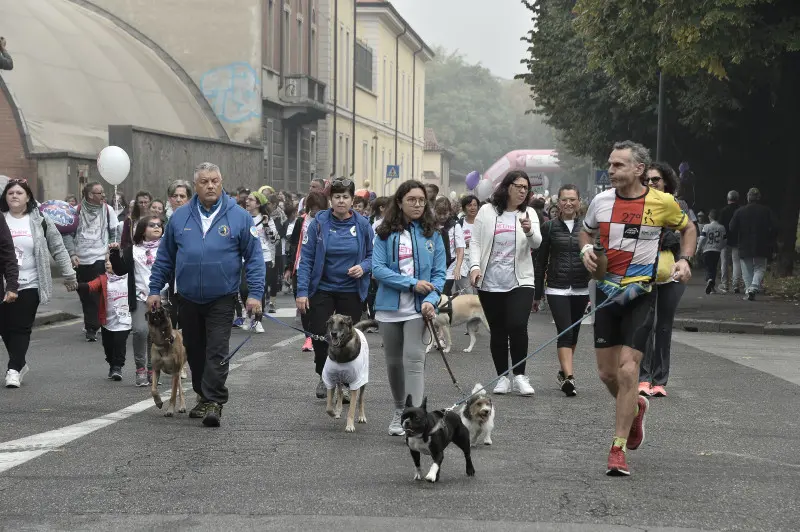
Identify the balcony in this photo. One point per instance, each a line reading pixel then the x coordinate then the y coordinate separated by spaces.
pixel 303 98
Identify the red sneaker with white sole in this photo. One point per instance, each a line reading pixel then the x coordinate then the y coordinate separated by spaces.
pixel 646 389
pixel 658 391
pixel 617 465
pixel 308 346
pixel 636 435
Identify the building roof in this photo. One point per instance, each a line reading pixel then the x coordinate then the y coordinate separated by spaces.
pixel 76 72
pixel 385 7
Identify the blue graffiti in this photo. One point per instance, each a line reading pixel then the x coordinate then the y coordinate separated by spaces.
pixel 233 91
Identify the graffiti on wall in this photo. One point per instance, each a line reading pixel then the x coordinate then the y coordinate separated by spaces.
pixel 234 92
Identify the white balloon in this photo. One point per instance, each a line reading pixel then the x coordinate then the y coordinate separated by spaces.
pixel 453 195
pixel 114 164
pixel 484 189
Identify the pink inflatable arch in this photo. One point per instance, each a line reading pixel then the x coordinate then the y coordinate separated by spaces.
pixel 529 161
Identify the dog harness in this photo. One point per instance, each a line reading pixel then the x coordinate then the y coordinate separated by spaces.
pixel 354 374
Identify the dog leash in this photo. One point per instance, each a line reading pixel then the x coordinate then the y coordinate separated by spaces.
pixel 434 336
pixel 317 337
pixel 619 297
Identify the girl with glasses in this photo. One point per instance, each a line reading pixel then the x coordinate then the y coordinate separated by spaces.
pixel 137 263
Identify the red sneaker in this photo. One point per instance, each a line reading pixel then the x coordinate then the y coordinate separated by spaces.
pixel 646 389
pixel 636 435
pixel 308 346
pixel 659 391
pixel 617 465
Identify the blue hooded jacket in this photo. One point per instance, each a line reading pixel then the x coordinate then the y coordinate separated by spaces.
pixel 208 267
pixel 429 265
pixel 312 254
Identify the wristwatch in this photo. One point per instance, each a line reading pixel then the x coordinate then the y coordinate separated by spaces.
pixel 687 258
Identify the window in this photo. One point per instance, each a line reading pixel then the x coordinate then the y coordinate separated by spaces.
pixel 312 70
pixel 346 158
pixel 269 37
pixel 403 166
pixel 391 161
pixel 383 161
pixel 300 58
pixel 391 92
pixel 363 66
pixel 268 148
pixel 403 101
pixel 371 170
pixel 383 89
pixel 342 44
pixel 348 77
pixel 364 160
pixel 312 151
pixel 287 39
pixel 341 152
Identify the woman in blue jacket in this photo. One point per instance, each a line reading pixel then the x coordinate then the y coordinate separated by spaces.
pixel 334 268
pixel 409 267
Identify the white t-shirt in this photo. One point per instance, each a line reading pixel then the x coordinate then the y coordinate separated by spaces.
pixel 500 274
pixel 355 374
pixel 89 246
pixel 456 238
pixel 466 228
pixel 570 224
pixel 207 221
pixel 23 245
pixel 406 310
pixel 143 260
pixel 118 315
pixel 267 245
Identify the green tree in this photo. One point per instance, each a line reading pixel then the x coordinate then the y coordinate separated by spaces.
pixel 477 115
pixel 733 73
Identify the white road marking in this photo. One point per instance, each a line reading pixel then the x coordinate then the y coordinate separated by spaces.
pixel 17 452
pixel 285 313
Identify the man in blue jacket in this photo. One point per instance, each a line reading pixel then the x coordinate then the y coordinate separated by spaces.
pixel 203 248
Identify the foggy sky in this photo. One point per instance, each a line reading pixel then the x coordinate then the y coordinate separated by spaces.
pixel 485 31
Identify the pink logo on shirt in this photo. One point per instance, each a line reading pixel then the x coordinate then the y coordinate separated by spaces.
pixel 504 228
pixel 405 252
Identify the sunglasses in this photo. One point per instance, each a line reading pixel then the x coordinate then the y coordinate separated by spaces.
pixel 342 182
pixel 653 180
pixel 17 181
pixel 154 224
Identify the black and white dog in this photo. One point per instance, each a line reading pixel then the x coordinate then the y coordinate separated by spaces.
pixel 430 433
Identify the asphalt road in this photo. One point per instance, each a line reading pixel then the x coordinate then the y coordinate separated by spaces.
pixel 721 450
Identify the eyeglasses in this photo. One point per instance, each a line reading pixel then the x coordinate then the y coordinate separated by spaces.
pixel 521 188
pixel 419 202
pixel 653 180
pixel 342 182
pixel 155 225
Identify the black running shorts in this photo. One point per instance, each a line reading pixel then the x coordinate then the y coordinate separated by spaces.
pixel 628 325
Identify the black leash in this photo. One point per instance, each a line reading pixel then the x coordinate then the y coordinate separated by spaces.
pixel 440 348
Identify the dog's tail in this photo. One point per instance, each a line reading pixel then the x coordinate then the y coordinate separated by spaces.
pixel 365 325
pixel 477 387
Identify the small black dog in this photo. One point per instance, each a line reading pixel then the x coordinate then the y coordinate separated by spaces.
pixel 430 433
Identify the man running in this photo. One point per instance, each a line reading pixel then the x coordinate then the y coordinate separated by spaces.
pixel 629 219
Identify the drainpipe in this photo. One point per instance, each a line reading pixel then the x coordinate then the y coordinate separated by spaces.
pixel 414 110
pixel 397 89
pixel 335 80
pixel 281 78
pixel 355 42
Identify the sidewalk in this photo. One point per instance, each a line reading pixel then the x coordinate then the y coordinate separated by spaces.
pixel 728 313
pixel 63 306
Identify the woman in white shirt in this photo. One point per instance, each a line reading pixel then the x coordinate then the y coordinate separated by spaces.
pixel 453 239
pixel 469 208
pixel 501 268
pixel 137 261
pixel 268 235
pixel 36 239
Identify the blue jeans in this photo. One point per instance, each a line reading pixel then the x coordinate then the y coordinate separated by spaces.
pixel 753 270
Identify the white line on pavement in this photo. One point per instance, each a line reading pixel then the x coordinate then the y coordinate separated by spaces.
pixel 17 452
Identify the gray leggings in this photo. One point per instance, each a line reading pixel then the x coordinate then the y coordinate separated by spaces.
pixel 405 359
pixel 141 345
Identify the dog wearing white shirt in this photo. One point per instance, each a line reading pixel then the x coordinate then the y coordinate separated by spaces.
pixel 347 365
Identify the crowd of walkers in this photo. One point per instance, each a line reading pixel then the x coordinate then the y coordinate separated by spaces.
pixel 391 258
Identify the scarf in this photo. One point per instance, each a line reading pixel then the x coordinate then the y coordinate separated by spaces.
pixel 149 246
pixel 92 214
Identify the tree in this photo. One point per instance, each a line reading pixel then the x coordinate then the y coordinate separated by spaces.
pixel 733 73
pixel 478 116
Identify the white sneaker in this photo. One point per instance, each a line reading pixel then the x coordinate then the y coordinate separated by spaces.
pixel 245 326
pixel 522 385
pixel 14 377
pixel 503 386
pixel 259 328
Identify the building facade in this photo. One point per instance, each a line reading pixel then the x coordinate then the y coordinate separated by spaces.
pixel 376 98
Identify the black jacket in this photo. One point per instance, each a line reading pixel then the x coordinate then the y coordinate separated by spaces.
pixel 725 217
pixel 560 256
pixel 6 63
pixel 755 228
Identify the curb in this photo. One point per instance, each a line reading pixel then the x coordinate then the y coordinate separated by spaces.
pixel 51 317
pixel 736 327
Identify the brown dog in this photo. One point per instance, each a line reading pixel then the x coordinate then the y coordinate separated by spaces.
pixel 167 355
pixel 347 365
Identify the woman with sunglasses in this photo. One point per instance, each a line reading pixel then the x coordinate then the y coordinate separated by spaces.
pixel 137 262
pixel 409 267
pixel 654 369
pixel 35 240
pixel 335 263
pixel 501 268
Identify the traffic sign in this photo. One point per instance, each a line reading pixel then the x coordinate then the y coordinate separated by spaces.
pixel 393 171
pixel 601 178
